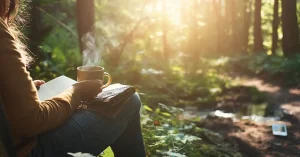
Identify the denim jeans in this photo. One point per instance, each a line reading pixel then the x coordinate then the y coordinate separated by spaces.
pixel 88 132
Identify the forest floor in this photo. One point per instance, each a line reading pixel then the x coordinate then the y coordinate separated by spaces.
pixel 255 139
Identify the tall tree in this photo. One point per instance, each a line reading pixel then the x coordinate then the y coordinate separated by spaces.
pixel 258 40
pixel 193 36
pixel 217 10
pixel 165 32
pixel 275 27
pixel 227 27
pixel 235 42
pixel 290 40
pixel 85 19
pixel 247 23
pixel 37 31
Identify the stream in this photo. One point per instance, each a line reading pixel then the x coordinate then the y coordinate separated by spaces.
pixel 256 113
pixel 270 111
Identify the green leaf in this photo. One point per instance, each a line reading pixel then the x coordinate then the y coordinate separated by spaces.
pixel 147 108
pixel 166 114
pixel 157 110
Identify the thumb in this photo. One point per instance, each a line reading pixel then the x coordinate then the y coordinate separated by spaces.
pixel 38 82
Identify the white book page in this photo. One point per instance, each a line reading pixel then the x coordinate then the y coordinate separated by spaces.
pixel 54 87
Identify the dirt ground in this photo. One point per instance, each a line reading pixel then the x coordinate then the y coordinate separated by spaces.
pixel 256 139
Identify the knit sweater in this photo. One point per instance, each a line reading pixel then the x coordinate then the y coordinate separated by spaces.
pixel 27 115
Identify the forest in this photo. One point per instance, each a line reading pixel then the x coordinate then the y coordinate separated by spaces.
pixel 213 75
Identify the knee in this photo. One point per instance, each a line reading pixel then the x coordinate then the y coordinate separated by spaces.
pixel 131 106
pixel 135 102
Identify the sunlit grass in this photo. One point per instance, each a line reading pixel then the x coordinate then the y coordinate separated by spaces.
pixel 107 153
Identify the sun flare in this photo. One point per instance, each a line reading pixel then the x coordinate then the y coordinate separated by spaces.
pixel 171 8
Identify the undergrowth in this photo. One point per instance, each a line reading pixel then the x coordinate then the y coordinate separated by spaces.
pixel 166 133
pixel 285 69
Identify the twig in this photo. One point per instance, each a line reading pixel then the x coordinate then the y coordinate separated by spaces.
pixel 129 36
pixel 119 50
pixel 57 21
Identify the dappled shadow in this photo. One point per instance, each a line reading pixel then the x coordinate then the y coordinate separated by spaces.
pixel 292 112
pixel 279 97
pixel 255 140
pixel 286 146
pixel 220 125
pixel 227 128
pixel 245 148
pixel 276 90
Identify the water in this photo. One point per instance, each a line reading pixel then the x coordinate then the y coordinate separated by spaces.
pixel 256 113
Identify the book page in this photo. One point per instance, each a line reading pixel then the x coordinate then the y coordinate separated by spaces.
pixel 54 87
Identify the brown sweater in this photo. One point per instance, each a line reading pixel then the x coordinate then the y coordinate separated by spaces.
pixel 27 115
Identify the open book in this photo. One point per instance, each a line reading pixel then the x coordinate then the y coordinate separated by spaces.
pixel 111 97
pixel 60 84
pixel 54 87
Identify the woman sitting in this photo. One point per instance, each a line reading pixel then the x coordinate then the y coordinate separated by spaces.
pixel 55 127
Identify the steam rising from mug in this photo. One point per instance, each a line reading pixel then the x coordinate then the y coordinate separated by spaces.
pixel 91 54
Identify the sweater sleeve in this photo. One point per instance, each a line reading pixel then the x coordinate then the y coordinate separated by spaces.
pixel 26 114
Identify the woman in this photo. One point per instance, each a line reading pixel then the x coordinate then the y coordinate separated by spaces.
pixel 56 127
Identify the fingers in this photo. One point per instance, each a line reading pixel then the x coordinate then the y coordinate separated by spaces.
pixel 93 86
pixel 89 89
pixel 38 83
pixel 99 85
pixel 96 88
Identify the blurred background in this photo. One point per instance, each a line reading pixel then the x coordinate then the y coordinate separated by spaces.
pixel 178 53
pixel 162 34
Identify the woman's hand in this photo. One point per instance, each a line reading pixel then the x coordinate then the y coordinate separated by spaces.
pixel 88 89
pixel 38 83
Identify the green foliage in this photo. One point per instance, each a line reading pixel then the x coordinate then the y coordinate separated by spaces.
pixel 61 57
pixel 167 134
pixel 107 153
pixel 174 88
pixel 53 39
pixel 284 68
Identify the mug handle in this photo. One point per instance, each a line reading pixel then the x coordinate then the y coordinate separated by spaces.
pixel 108 81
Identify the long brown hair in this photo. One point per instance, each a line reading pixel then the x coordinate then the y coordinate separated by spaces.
pixel 8 11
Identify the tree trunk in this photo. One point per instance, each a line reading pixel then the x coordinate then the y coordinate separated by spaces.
pixel 85 13
pixel 35 29
pixel 193 42
pixel 37 32
pixel 247 24
pixel 165 33
pixel 235 43
pixel 217 10
pixel 258 40
pixel 227 28
pixel 290 40
pixel 275 27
